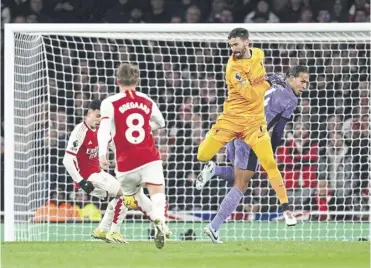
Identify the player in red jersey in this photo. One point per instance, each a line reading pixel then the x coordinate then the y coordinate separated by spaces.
pixel 81 162
pixel 128 118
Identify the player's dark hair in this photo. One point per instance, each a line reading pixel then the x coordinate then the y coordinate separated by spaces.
pixel 128 74
pixel 239 32
pixel 296 70
pixel 94 105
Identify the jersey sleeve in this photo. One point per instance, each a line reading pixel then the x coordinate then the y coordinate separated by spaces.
pixel 104 131
pixel 259 74
pixel 75 141
pixel 157 120
pixel 70 161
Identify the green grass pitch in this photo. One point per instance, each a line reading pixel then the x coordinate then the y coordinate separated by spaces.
pixel 263 245
pixel 252 254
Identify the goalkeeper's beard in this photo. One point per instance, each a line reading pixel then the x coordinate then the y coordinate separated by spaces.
pixel 241 53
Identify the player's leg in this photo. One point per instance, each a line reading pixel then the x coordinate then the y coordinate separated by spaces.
pixel 116 210
pixel 208 148
pixel 134 197
pixel 211 169
pixel 157 193
pixel 132 190
pixel 245 166
pixel 221 132
pixel 263 150
pixel 105 224
pixel 109 226
pixel 153 177
pixel 227 172
pixel 144 204
pixel 119 214
pixel 101 231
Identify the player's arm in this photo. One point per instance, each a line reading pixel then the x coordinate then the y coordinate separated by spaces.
pixel 238 80
pixel 104 131
pixel 283 106
pixel 277 132
pixel 157 120
pixel 260 83
pixel 70 160
pixel 241 83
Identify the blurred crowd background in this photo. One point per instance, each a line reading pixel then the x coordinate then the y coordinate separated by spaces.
pixel 324 156
pixel 186 11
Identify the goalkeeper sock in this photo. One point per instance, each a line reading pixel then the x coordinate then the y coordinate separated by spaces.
pixel 119 214
pixel 158 207
pixel 144 204
pixel 106 222
pixel 263 151
pixel 280 189
pixel 228 205
pixel 226 173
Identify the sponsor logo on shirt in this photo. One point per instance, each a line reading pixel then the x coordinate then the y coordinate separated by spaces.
pixel 92 152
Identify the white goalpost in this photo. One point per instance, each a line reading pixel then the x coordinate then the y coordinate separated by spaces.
pixel 53 70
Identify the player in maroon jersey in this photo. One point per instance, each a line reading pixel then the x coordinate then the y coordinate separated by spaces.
pixel 81 162
pixel 128 118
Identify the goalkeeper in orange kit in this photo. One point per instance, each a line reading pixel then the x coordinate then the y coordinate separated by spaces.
pixel 243 117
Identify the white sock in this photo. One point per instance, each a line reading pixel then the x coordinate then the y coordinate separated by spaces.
pixel 119 214
pixel 144 204
pixel 106 222
pixel 158 207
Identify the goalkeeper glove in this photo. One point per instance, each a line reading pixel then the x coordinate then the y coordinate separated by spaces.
pixel 275 79
pixel 87 186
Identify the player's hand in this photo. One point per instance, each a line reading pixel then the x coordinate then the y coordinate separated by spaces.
pixel 103 162
pixel 87 186
pixel 275 79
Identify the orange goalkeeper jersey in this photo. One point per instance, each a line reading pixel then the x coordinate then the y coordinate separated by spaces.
pixel 246 84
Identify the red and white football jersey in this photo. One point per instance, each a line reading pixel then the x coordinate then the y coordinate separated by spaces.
pixel 128 119
pixel 83 144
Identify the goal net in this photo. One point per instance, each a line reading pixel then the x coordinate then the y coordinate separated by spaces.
pixel 53 72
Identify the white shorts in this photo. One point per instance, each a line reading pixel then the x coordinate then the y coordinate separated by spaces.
pixel 104 183
pixel 132 181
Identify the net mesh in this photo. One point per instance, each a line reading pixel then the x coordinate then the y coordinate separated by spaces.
pixel 323 157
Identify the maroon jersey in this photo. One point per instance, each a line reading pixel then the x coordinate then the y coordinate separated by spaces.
pixel 130 120
pixel 83 144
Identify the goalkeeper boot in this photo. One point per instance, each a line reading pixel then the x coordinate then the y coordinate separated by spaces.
pixel 289 218
pixel 159 234
pixel 167 231
pixel 206 174
pixel 115 238
pixel 99 234
pixel 213 234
